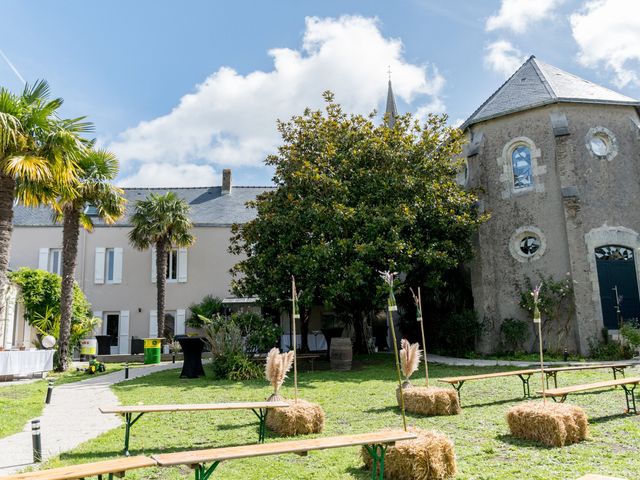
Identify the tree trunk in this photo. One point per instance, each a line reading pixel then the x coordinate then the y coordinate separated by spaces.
pixel 70 234
pixel 7 194
pixel 360 345
pixel 304 329
pixel 161 282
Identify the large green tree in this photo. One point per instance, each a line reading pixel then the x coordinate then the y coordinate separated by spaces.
pixel 161 221
pixel 93 189
pixel 354 197
pixel 38 151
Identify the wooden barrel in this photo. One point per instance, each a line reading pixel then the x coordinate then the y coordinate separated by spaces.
pixel 341 353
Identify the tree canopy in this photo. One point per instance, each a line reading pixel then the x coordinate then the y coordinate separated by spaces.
pixel 353 198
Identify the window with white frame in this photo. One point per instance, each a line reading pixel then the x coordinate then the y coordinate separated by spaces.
pixel 172 265
pixel 108 265
pixel 176 265
pixel 521 164
pixel 55 261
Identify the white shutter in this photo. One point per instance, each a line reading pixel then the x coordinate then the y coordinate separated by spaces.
pixel 43 259
pixel 153 264
pixel 98 276
pixel 102 328
pixel 123 332
pixel 117 265
pixel 180 324
pixel 153 324
pixel 182 265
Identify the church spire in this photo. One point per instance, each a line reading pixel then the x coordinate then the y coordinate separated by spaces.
pixel 391 112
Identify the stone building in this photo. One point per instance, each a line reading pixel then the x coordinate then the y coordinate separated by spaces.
pixel 555 159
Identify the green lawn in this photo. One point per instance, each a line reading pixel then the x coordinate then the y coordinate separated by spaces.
pixel 364 400
pixel 21 403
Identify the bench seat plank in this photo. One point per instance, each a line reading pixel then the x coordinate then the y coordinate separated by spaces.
pixel 191 407
pixel 293 446
pixel 70 472
pixel 529 371
pixel 562 391
pixel 588 367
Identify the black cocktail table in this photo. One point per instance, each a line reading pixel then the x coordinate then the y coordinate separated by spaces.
pixel 192 351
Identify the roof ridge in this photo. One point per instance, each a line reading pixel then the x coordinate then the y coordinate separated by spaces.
pixel 543 78
pixel 466 122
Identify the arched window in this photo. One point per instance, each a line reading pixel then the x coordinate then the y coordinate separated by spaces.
pixel 521 164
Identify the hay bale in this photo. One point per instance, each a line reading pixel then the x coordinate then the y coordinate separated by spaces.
pixel 299 418
pixel 553 424
pixel 430 400
pixel 431 456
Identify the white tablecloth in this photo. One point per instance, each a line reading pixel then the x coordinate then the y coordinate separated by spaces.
pixel 316 342
pixel 25 362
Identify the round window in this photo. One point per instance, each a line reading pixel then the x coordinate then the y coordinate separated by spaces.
pixel 599 145
pixel 529 245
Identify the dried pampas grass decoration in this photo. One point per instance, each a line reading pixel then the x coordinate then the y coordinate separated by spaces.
pixel 409 360
pixel 430 400
pixel 431 456
pixel 553 424
pixel 278 364
pixel 299 418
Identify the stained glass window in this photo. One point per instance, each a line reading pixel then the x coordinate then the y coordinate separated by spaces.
pixel 614 252
pixel 521 162
pixel 529 245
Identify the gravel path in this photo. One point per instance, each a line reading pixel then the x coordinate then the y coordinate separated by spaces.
pixel 71 418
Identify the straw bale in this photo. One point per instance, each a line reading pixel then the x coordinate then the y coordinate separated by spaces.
pixel 553 424
pixel 299 418
pixel 430 400
pixel 431 456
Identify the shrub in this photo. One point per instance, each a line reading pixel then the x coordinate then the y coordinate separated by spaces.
pixel 513 333
pixel 235 366
pixel 459 334
pixel 609 350
pixel 207 308
pixel 631 334
pixel 261 333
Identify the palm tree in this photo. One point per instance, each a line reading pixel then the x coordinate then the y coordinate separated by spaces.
pixel 96 170
pixel 37 151
pixel 161 221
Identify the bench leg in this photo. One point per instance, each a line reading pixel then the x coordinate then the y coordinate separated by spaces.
pixel 129 421
pixel 554 375
pixel 262 428
pixel 458 386
pixel 525 385
pixel 377 452
pixel 630 397
pixel 203 473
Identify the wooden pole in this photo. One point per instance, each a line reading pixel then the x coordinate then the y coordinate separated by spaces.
pixel 294 342
pixel 544 392
pixel 424 342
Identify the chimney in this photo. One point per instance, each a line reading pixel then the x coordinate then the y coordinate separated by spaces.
pixel 226 181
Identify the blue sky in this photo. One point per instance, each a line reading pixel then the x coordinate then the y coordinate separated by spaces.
pixel 182 89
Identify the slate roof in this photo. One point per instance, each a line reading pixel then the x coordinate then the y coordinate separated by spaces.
pixel 208 206
pixel 535 84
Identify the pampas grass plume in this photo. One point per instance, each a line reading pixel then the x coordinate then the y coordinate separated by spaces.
pixel 409 358
pixel 278 364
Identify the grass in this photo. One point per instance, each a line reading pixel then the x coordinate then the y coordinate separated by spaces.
pixel 364 400
pixel 23 402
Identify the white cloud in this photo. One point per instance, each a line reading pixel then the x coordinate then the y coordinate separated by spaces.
pixel 608 34
pixel 230 119
pixel 503 58
pixel 518 15
pixel 168 175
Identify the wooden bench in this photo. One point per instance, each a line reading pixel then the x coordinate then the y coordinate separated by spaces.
pixel 116 467
pixel 627 384
pixel 525 375
pixel 375 443
pixel 128 411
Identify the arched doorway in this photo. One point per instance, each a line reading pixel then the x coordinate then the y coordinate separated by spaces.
pixel 618 284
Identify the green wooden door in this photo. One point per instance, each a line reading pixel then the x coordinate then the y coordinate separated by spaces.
pixel 617 276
